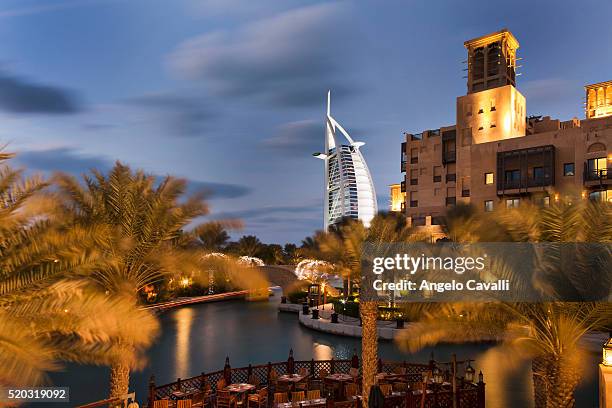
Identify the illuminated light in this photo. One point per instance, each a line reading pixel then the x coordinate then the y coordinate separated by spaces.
pixel 556 196
pixel 65 310
pixel 607 353
pixel 584 194
pixel 507 122
pixel 185 282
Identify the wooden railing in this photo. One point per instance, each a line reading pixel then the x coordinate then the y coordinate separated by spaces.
pixel 468 395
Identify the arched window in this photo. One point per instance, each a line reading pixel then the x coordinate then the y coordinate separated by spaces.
pixel 609 95
pixel 592 99
pixel 600 96
pixel 597 147
pixel 478 64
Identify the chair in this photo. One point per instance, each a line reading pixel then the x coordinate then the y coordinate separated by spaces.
pixel 202 399
pixel 221 384
pixel 225 400
pixel 280 398
pixel 313 394
pixel 297 396
pixel 345 404
pixel 260 399
pixel 303 371
pixel 254 380
pixel 350 390
pixel 186 403
pixel 354 372
pixel 386 389
pixel 323 373
pixel 282 386
pixel 161 403
pixel 301 386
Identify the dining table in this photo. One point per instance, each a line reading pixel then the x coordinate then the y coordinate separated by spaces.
pixel 240 390
pixel 305 403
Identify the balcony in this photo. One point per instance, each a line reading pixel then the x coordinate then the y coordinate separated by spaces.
pixel 403 186
pixel 403 166
pixel 597 175
pixel 417 136
pixel 525 170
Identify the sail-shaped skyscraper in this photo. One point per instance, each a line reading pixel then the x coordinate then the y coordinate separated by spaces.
pixel 349 190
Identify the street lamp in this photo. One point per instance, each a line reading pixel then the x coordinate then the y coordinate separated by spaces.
pixel 607 353
pixel 469 373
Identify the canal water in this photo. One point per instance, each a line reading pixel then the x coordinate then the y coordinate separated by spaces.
pixel 198 338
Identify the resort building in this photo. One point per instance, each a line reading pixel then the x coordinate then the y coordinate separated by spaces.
pixel 496 156
pixel 349 190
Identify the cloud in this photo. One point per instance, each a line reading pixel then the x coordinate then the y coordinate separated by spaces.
pixel 185 115
pixel 289 59
pixel 20 96
pixel 257 213
pixel 299 138
pixel 70 161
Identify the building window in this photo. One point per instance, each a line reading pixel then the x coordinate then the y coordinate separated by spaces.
pixel 492 105
pixel 489 178
pixel 538 173
pixel 436 191
pixel 603 195
pixel 480 111
pixel 568 169
pixel 468 109
pixel 512 178
pixel 437 174
pixel 493 125
pixel 596 168
pixel 512 202
pixel 543 201
pixel 481 128
pixel 488 205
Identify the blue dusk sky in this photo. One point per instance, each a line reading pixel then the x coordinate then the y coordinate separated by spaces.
pixel 231 94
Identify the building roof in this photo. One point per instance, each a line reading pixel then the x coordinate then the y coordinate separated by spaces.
pixel 489 38
pixel 598 85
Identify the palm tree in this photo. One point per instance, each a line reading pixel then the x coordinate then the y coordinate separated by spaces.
pixel 249 245
pixel 343 247
pixel 47 314
pixel 140 220
pixel 547 332
pixel 213 235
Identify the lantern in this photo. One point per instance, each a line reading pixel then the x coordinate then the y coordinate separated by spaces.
pixel 469 373
pixel 607 353
pixel 437 376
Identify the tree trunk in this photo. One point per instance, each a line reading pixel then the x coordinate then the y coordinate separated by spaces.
pixel 369 346
pixel 554 381
pixel 538 369
pixel 119 380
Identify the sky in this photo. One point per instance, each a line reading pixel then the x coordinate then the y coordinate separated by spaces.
pixel 231 94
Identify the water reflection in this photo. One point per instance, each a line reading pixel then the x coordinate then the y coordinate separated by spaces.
pixel 184 320
pixel 508 380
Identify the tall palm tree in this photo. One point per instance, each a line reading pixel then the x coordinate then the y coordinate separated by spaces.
pixel 546 332
pixel 141 219
pixel 47 314
pixel 344 247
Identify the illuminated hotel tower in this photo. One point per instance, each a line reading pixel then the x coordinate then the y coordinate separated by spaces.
pixel 349 191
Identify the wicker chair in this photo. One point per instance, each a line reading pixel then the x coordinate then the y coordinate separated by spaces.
pixel 386 389
pixel 186 403
pixel 313 394
pixel 350 390
pixel 303 371
pixel 161 403
pixel 226 400
pixel 221 384
pixel 253 379
pixel 260 399
pixel 280 398
pixel 354 372
pixel 297 396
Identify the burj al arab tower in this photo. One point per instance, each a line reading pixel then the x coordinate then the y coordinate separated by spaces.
pixel 349 190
